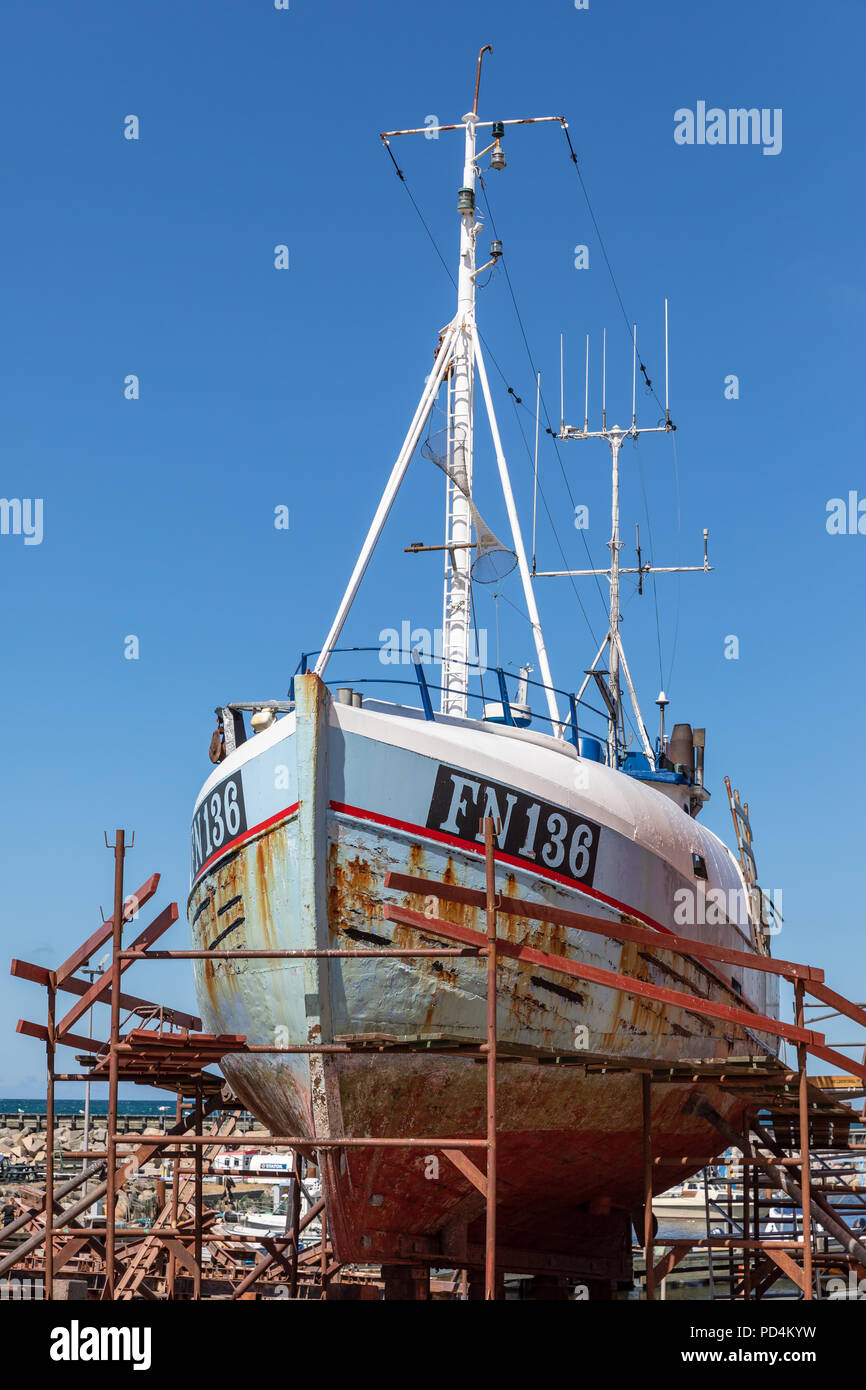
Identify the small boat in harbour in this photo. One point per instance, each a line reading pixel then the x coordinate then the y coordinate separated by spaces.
pixel 690 1201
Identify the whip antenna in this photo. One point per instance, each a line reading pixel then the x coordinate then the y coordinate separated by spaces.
pixel 667 372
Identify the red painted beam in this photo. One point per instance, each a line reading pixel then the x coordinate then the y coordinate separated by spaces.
pixel 838 1059
pixel 838 1001
pixel 38 1030
pixel 610 979
pixel 99 990
pixel 103 933
pixel 603 926
pixel 38 975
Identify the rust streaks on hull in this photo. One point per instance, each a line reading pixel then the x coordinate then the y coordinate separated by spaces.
pixel 566 1137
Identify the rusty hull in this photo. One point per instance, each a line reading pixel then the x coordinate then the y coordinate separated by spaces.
pixel 570 1166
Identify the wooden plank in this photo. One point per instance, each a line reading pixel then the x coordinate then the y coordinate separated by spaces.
pixel 691 1003
pixel 180 1252
pixel 38 1030
pixel 69 1250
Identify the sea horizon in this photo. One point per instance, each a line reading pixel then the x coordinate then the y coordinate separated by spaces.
pixel 35 1105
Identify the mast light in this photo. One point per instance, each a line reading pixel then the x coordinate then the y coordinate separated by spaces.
pixel 662 702
pixel 466 200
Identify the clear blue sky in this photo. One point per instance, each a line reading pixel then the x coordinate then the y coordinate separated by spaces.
pixel 262 387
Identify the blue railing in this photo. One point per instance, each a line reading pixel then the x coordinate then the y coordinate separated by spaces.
pixel 575 730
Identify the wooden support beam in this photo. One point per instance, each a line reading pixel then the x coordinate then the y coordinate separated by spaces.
pixel 99 990
pixel 38 975
pixel 604 926
pixel 668 1262
pixel 805 1159
pixel 469 1170
pixel 692 1003
pixel 837 1001
pixel 104 932
pixel 790 1267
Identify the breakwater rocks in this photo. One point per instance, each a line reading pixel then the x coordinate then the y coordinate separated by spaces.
pixel 23 1137
pixel 28 1146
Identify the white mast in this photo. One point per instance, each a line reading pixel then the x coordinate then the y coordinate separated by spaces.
pixel 614 546
pixel 458 355
pixel 457 614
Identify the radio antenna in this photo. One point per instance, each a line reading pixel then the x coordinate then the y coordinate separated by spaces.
pixel 561 383
pixel 615 436
pixel 667 372
pixel 535 487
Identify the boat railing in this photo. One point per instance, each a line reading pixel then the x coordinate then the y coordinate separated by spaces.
pixel 508 711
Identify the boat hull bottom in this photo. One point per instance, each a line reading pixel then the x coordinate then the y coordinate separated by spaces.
pixel 570 1157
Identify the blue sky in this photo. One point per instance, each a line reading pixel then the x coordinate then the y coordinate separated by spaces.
pixel 261 388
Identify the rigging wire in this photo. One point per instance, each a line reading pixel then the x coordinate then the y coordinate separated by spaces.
pixel 516 400
pixel 652 557
pixel 402 177
pixel 679 576
pixel 628 322
pixel 535 373
pixel 559 544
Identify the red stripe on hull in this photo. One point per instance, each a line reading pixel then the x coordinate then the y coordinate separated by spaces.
pixel 454 842
pixel 242 839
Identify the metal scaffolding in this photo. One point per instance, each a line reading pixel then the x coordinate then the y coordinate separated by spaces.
pixel 786 1150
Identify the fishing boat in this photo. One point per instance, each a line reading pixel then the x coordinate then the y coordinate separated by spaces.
pixel 316 798
pixel 691 1201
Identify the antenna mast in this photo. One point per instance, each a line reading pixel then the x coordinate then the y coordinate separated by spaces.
pixel 618 666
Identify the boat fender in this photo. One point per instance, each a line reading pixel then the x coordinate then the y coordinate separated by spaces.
pixel 217 750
